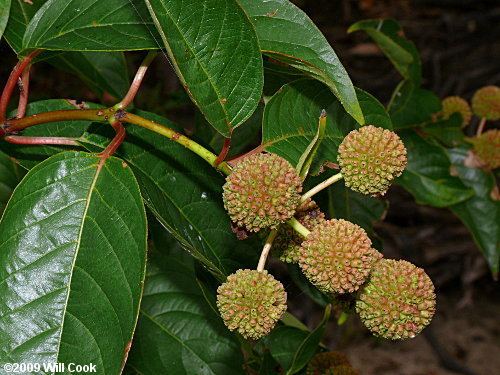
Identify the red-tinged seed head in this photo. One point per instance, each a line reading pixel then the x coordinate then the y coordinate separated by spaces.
pixel 486 103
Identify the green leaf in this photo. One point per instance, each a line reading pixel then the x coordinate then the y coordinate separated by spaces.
pixel 218 61
pixel 305 285
pixel 389 37
pixel 427 175
pixel 412 106
pixel 179 332
pixel 100 71
pixel 355 207
pixel 283 342
pixel 447 132
pixel 310 344
pixel 10 175
pixel 185 195
pixel 4 15
pixel 29 156
pixel 91 25
pixel 72 256
pixel 290 121
pixel 480 214
pixel 288 35
pixel 309 154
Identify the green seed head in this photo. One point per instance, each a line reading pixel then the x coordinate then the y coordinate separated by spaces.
pixel 398 301
pixel 370 159
pixel 251 302
pixel 486 103
pixel 337 256
pixel 455 104
pixel 487 148
pixel 263 191
pixel 287 242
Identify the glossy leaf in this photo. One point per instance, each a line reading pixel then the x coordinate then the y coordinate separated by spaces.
pixel 481 213
pixel 91 25
pixel 290 121
pixel 389 37
pixel 179 332
pixel 72 256
pixel 411 106
pixel 104 71
pixel 288 35
pixel 10 175
pixel 447 132
pixel 185 195
pixel 218 61
pixel 4 15
pixel 283 342
pixel 29 156
pixel 427 175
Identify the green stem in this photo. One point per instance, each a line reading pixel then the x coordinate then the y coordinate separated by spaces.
pixel 266 249
pixel 321 186
pixel 298 227
pixel 101 115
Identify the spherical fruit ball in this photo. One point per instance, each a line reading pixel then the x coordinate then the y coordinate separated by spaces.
pixel 324 363
pixel 486 103
pixel 251 302
pixel 337 256
pixel 287 243
pixel 263 191
pixel 370 158
pixel 455 104
pixel 398 301
pixel 487 148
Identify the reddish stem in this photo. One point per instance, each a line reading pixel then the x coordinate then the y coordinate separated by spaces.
pixel 223 153
pixel 24 85
pixel 36 141
pixel 238 158
pixel 115 142
pixel 12 82
pixel 136 83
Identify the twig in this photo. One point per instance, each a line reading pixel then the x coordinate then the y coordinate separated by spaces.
pixel 37 141
pixel 224 151
pixel 24 84
pixel 116 141
pixel 298 227
pixel 11 83
pixel 321 186
pixel 136 83
pixel 480 128
pixel 266 249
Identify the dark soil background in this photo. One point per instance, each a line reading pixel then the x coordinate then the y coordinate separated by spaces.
pixel 459 41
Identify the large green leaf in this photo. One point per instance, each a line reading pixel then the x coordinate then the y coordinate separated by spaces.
pixel 10 175
pixel 91 25
pixel 412 106
pixel 427 175
pixel 104 71
pixel 389 37
pixel 4 15
pixel 218 61
pixel 29 156
pixel 100 71
pixel 481 213
pixel 287 34
pixel 185 194
pixel 290 120
pixel 179 332
pixel 72 263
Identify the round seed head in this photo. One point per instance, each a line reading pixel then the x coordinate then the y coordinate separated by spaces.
pixel 337 256
pixel 263 191
pixel 486 103
pixel 325 363
pixel 455 104
pixel 487 147
pixel 287 242
pixel 370 159
pixel 398 301
pixel 251 302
